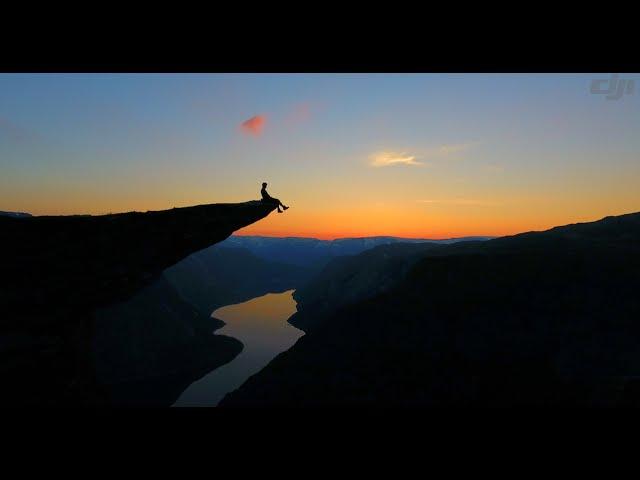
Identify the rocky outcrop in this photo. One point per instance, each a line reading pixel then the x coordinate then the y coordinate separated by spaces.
pixel 57 267
pixel 57 270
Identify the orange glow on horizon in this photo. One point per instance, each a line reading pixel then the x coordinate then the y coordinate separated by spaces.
pixel 444 230
pixel 367 219
pixel 398 220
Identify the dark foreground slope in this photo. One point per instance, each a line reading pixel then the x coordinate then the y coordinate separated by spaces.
pixel 352 278
pixel 542 318
pixel 148 349
pixel 56 271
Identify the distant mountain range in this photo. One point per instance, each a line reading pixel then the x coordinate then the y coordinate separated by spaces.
pixel 312 252
pixel 15 214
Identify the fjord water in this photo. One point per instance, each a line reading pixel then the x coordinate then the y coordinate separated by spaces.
pixel 261 325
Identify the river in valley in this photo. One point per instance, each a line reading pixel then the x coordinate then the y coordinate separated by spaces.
pixel 261 325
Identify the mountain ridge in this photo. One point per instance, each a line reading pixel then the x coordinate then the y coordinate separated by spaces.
pixel 542 318
pixel 315 253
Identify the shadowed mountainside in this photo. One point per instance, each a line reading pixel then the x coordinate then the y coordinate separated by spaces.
pixel 57 271
pixel 540 318
pixel 147 350
pixel 349 279
pixel 218 276
pixel 141 345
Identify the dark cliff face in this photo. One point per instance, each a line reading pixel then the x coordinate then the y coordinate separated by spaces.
pixel 349 279
pixel 54 268
pixel 147 350
pixel 57 271
pixel 541 318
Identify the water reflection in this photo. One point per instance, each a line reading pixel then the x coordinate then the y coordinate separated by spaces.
pixel 261 325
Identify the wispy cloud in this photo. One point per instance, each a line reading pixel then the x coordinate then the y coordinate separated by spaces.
pixel 419 157
pixel 254 125
pixel 386 159
pixel 462 201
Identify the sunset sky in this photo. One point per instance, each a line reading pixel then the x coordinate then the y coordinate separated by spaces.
pixel 413 155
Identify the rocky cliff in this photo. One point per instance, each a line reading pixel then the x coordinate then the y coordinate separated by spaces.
pixel 541 318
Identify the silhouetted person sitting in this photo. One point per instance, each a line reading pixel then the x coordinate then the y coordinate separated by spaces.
pixel 269 199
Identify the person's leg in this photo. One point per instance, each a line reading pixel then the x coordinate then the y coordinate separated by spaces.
pixel 284 207
pixel 277 204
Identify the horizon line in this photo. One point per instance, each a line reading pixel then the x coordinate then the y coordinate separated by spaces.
pixel 365 236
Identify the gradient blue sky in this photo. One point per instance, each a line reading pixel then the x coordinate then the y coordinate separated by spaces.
pixel 354 154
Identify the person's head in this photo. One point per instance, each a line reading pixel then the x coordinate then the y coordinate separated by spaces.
pixel 264 184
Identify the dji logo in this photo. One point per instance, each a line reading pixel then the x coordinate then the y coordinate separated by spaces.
pixel 612 87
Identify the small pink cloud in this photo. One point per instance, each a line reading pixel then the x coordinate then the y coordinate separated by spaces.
pixel 254 125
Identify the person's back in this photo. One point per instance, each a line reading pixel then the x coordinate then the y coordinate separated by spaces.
pixel 268 198
pixel 265 195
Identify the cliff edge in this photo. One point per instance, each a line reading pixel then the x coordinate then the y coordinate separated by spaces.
pixel 54 267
